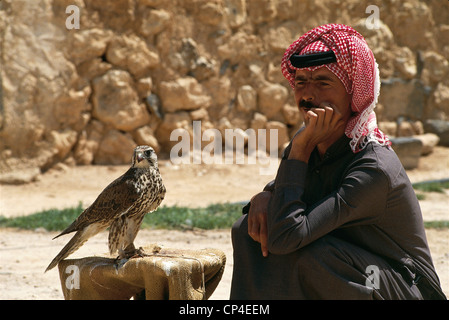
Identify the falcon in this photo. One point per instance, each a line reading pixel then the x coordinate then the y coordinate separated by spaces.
pixel 121 206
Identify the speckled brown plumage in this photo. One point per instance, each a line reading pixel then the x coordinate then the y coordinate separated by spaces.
pixel 121 206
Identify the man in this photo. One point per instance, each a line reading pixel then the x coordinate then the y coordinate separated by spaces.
pixel 341 219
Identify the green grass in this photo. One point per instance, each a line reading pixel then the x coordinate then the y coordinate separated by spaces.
pixel 216 216
pixel 51 220
pixel 439 224
pixel 432 186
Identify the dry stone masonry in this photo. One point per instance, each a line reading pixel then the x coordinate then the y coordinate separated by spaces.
pixel 135 70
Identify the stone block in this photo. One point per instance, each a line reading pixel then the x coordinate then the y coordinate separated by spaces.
pixel 408 150
pixel 440 128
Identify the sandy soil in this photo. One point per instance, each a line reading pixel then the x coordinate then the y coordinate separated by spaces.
pixel 25 254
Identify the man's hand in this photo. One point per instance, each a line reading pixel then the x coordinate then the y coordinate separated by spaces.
pixel 257 219
pixel 322 124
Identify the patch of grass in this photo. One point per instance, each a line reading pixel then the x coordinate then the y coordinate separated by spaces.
pixel 438 224
pixel 216 216
pixel 432 186
pixel 420 196
pixel 51 220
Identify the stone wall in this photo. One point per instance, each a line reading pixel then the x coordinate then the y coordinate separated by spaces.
pixel 135 70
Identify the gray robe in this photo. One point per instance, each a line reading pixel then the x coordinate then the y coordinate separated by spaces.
pixel 345 226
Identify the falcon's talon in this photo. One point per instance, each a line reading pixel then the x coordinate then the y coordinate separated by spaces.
pixel 120 262
pixel 137 253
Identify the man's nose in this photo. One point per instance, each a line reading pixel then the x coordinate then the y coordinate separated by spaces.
pixel 308 93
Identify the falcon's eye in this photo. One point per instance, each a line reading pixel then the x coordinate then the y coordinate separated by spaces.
pixel 147 153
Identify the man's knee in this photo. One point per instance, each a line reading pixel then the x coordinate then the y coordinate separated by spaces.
pixel 317 247
pixel 318 252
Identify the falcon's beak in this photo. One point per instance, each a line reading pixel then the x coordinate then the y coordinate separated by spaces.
pixel 139 157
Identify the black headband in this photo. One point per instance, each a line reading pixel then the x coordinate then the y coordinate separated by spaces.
pixel 313 59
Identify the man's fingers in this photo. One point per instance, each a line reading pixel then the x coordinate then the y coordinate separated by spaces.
pixel 257 230
pixel 257 219
pixel 327 115
pixel 253 229
pixel 263 236
pixel 312 118
pixel 321 115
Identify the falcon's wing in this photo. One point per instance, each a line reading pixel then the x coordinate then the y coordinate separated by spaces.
pixel 116 199
pixel 113 201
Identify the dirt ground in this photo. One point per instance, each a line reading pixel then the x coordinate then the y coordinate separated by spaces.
pixel 24 255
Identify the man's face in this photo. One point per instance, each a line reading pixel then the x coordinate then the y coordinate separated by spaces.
pixel 319 88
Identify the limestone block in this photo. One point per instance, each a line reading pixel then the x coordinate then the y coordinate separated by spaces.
pixel 87 44
pixel 259 121
pixel 400 97
pixel 131 53
pixel 435 67
pixel 183 94
pixel 145 136
pixel 115 101
pixel 440 128
pixel 439 101
pixel 291 114
pixel 154 21
pixel 271 99
pixel 236 12
pixel 409 151
pixel 429 141
pixel 115 148
pixel 246 98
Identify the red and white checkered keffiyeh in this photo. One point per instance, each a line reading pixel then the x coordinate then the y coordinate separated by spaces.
pixel 356 68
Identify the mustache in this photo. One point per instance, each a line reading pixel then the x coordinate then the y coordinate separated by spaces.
pixel 307 104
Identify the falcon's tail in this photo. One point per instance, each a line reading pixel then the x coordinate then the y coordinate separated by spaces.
pixel 74 244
